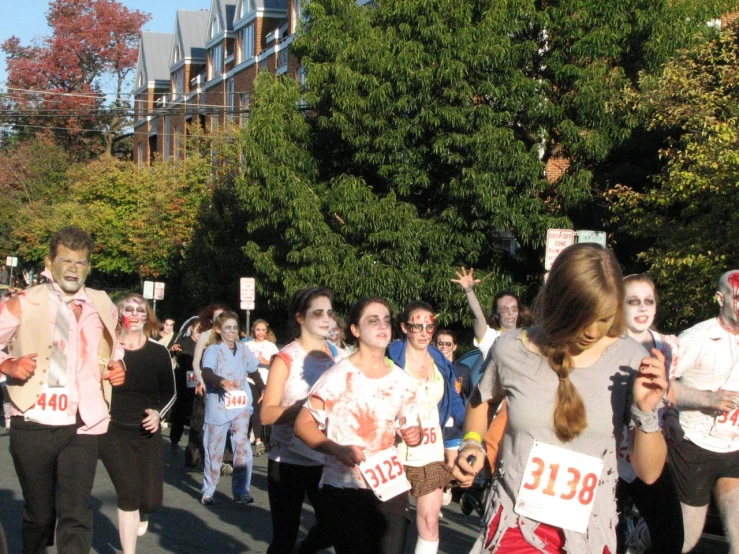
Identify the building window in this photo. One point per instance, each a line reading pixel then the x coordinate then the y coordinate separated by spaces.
pixel 245 101
pixel 215 27
pixel 177 56
pixel 246 43
pixel 178 83
pixel 215 61
pixel 140 154
pixel 140 80
pixel 230 101
pixel 167 132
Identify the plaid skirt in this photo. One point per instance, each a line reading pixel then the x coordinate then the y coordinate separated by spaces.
pixel 426 479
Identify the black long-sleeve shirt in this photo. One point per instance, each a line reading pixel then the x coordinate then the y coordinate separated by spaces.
pixel 149 385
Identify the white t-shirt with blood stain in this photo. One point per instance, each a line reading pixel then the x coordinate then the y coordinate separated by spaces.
pixel 362 412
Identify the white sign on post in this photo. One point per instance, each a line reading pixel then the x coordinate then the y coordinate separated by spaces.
pixel 557 240
pixel 598 237
pixel 11 261
pixel 247 305
pixel 149 290
pixel 158 291
pixel 247 286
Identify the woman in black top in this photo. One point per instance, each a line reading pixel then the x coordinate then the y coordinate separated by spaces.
pixel 132 449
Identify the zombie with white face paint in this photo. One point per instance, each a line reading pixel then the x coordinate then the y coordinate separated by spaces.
pixel 131 450
pixel 294 470
pixel 62 362
pixel 167 334
pixel 658 503
pixel 706 384
pixel 228 407
pixel 506 312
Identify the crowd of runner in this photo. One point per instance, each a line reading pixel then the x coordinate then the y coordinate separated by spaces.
pixel 589 426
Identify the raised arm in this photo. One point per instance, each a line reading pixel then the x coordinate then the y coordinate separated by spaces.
pixel 467 281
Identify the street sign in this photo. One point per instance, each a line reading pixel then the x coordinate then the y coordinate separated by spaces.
pixel 557 240
pixel 598 237
pixel 247 305
pixel 158 291
pixel 248 289
pixel 148 290
pixel 11 261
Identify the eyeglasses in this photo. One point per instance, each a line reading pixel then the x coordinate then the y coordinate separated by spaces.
pixel 447 344
pixel 418 327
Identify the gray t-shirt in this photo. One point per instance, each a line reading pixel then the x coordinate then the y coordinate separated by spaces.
pixel 529 384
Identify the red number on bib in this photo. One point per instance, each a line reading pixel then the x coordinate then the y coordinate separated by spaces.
pixel 41 402
pixel 373 476
pixel 52 402
pixel 572 484
pixel 536 474
pixel 63 402
pixel 588 489
pixel 397 464
pixel 553 471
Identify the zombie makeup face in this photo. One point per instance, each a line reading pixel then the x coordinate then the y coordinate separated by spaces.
pixel 447 346
pixel 640 306
pixel 260 332
pixel 229 331
pixel 318 318
pixel 167 327
pixel 375 326
pixel 419 329
pixel 69 268
pixel 133 316
pixel 728 299
pixel 507 312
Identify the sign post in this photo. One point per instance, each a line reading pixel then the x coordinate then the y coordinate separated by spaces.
pixel 557 240
pixel 11 261
pixel 247 294
pixel 158 294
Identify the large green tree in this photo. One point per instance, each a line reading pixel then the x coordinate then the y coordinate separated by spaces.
pixel 687 215
pixel 427 128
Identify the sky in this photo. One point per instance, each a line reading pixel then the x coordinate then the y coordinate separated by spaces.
pixel 26 19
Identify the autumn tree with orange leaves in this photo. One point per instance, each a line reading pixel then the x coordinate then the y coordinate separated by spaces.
pixel 70 84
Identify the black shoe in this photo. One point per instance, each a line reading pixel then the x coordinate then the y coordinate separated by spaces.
pixel 243 499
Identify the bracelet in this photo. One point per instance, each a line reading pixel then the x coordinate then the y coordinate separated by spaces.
pixel 467 290
pixel 471 435
pixel 647 422
pixel 465 444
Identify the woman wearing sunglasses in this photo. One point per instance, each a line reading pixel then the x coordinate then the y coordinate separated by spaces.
pixel 441 411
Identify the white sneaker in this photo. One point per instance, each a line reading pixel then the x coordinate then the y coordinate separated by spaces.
pixel 143 525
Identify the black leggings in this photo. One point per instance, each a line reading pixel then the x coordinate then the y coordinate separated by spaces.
pixel 255 423
pixel 659 505
pixel 287 487
pixel 136 466
pixel 361 524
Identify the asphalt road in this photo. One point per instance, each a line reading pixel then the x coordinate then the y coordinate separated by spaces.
pixel 185 526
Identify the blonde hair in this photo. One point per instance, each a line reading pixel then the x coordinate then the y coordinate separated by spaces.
pixel 584 283
pixel 152 326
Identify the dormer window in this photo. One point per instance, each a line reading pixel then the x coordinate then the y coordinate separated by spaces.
pixel 215 28
pixel 140 80
pixel 177 54
pixel 215 61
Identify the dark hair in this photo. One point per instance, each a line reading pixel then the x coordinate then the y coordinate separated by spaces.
pixel 300 302
pixel 355 314
pixel 410 308
pixel 205 317
pixel 494 316
pixel 446 332
pixel 152 326
pixel 584 280
pixel 224 316
pixel 73 238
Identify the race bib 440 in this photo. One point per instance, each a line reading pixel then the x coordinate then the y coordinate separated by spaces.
pixel 558 487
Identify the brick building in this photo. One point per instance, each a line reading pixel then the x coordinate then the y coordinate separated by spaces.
pixel 204 72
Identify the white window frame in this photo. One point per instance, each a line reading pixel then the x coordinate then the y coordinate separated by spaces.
pixel 215 61
pixel 246 43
